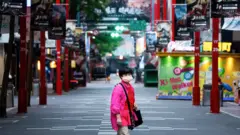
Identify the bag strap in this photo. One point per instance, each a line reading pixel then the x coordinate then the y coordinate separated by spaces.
pixel 129 108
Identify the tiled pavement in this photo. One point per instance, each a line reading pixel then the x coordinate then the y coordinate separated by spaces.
pixel 86 112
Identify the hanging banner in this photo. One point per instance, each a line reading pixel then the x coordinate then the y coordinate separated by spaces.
pixel 163 34
pixel 198 15
pixel 181 30
pixel 18 6
pixel 57 22
pixel 232 24
pixel 225 8
pixel 40 14
pixel 4 26
pixel 151 41
pixel 70 38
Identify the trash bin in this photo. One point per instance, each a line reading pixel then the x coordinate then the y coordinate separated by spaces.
pixel 150 76
pixel 35 89
pixel 207 94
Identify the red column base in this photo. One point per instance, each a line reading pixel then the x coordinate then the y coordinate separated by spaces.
pixel 22 101
pixel 43 97
pixel 59 87
pixel 196 96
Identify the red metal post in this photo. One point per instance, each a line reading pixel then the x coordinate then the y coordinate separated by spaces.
pixel 215 105
pixel 66 66
pixel 58 76
pixel 173 20
pixel 43 88
pixel 156 10
pixel 196 88
pixel 22 94
pixel 165 9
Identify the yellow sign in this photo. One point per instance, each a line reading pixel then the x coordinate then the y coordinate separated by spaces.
pixel 222 46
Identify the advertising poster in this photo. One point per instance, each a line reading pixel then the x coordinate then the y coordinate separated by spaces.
pixel 163 34
pixel 57 22
pixel 4 25
pixel 19 7
pixel 40 14
pixel 232 24
pixel 198 15
pixel 225 8
pixel 151 41
pixel 176 76
pixel 181 30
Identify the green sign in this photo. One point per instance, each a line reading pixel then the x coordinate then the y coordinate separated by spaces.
pixel 137 25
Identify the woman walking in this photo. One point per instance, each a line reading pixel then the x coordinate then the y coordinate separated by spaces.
pixel 120 116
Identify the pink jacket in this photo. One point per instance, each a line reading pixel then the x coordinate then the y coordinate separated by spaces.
pixel 118 101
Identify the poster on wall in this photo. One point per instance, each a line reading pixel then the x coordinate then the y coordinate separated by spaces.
pixel 40 14
pixel 163 34
pixel 198 15
pixel 19 7
pixel 225 8
pixel 151 41
pixel 176 76
pixel 181 30
pixel 57 22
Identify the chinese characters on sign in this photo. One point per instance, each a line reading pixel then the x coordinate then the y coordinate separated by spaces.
pixel 124 10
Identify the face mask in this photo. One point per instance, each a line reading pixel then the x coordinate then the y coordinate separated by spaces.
pixel 127 79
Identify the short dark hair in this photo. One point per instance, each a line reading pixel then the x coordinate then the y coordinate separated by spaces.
pixel 125 71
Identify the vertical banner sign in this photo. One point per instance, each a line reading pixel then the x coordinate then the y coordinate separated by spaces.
pixel 198 15
pixel 151 41
pixel 57 22
pixel 163 34
pixel 19 7
pixel 181 30
pixel 69 39
pixel 40 14
pixel 225 8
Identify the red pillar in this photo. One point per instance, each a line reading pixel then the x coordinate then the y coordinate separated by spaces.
pixel 165 9
pixel 215 105
pixel 173 19
pixel 196 88
pixel 22 94
pixel 58 77
pixel 43 89
pixel 66 78
pixel 157 11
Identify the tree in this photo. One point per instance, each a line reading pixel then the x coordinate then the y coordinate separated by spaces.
pixel 106 44
pixel 88 9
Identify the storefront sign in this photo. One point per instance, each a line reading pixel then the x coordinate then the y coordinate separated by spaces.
pixel 40 14
pixel 163 34
pixel 151 41
pixel 225 8
pixel 198 15
pixel 222 46
pixel 180 46
pixel 182 32
pixel 57 22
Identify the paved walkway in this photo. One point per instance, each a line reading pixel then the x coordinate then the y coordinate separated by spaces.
pixel 86 112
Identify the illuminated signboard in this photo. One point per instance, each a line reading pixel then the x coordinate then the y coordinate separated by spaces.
pixel 222 46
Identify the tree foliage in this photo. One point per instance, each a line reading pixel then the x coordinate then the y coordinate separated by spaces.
pixel 89 9
pixel 106 44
